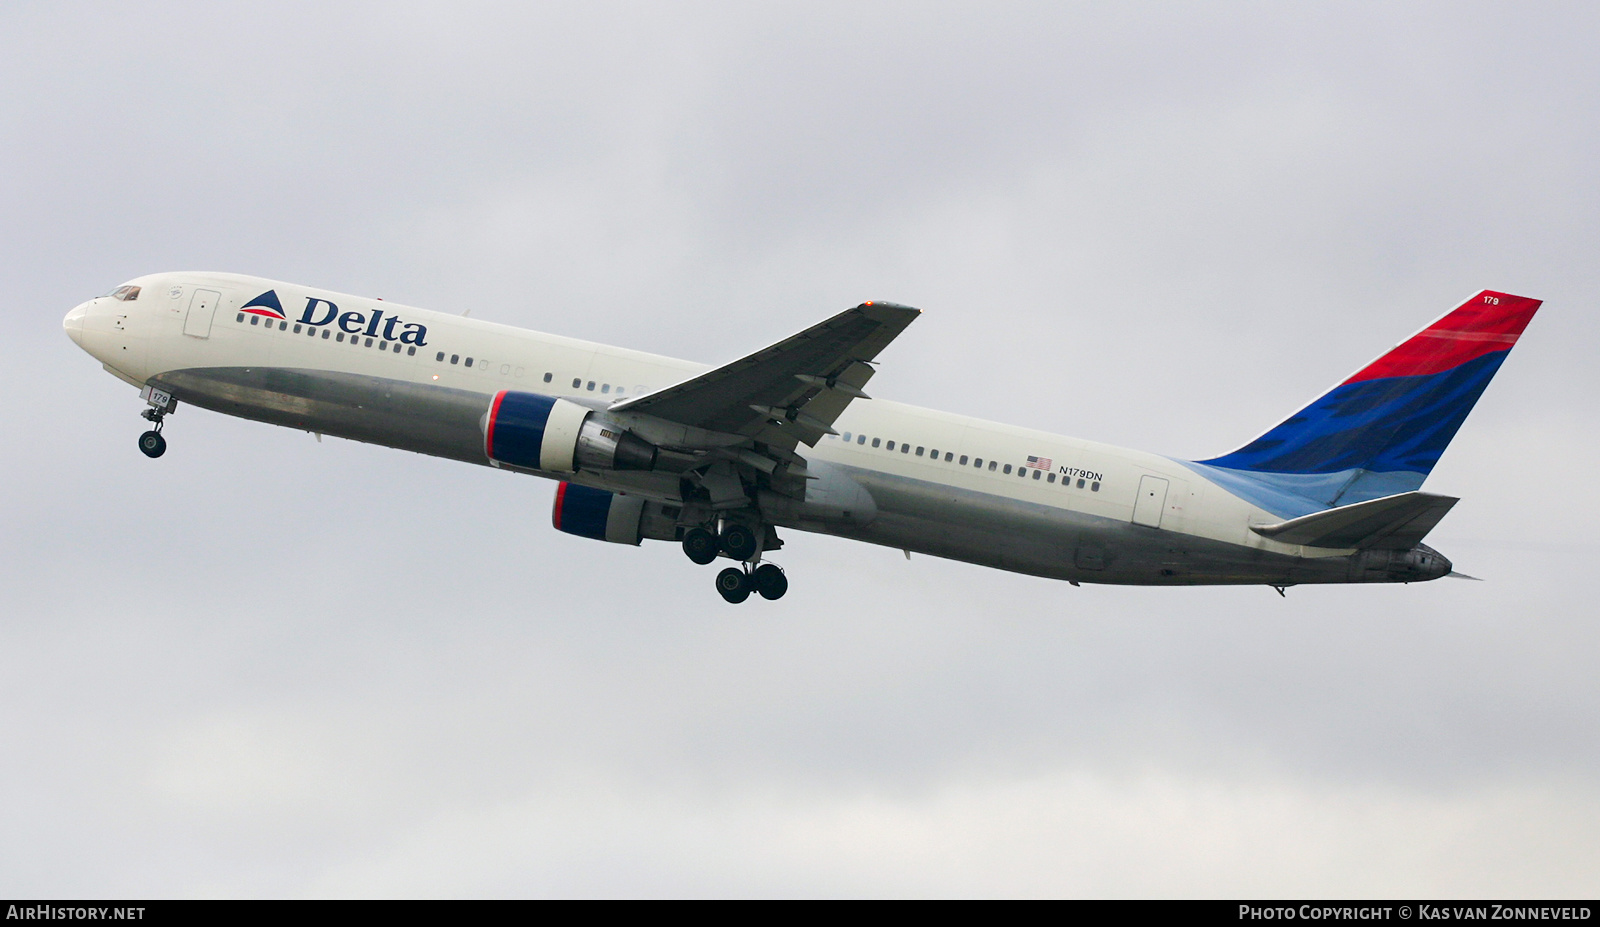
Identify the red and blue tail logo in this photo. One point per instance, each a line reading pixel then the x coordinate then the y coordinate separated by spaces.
pixel 1382 430
pixel 266 304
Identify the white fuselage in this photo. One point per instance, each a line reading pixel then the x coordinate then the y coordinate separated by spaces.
pixel 1092 513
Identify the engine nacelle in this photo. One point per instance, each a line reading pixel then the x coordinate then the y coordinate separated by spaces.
pixel 541 432
pixel 609 516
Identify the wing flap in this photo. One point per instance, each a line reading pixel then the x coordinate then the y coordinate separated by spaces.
pixel 1397 522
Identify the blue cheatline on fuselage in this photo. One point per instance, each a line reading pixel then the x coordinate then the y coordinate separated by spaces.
pixel 1361 440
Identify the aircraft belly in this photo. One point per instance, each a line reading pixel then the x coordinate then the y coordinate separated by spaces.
pixel 435 420
pixel 1058 543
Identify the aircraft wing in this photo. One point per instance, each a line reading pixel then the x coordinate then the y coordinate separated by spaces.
pixel 790 392
pixel 1397 522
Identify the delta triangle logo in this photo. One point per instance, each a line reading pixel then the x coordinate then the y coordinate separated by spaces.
pixel 266 304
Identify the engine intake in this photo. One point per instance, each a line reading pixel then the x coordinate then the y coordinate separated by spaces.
pixel 541 432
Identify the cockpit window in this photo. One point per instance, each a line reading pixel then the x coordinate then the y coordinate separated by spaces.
pixel 125 293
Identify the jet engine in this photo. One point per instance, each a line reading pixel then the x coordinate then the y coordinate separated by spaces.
pixel 539 432
pixel 609 516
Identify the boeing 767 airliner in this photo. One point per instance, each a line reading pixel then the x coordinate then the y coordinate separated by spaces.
pixel 718 458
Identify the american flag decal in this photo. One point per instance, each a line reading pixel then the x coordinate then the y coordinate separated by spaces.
pixel 1039 463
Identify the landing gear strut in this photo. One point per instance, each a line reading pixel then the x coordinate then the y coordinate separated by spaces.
pixel 161 402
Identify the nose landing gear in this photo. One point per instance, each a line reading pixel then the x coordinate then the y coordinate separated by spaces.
pixel 151 444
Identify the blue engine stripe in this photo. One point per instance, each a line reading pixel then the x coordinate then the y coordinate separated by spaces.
pixel 585 511
pixel 518 429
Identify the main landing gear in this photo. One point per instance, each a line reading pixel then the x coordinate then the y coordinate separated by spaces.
pixel 737 583
pixel 739 542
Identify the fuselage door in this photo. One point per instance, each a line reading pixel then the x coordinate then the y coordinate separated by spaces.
pixel 202 306
pixel 1152 499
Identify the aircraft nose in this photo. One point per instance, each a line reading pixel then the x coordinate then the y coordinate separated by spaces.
pixel 73 323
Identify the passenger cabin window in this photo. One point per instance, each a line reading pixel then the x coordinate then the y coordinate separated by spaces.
pixel 469 362
pixel 847 437
pixel 1051 478
pixel 1095 486
pixel 548 376
pixel 948 456
pixel 577 383
pixel 962 461
pixel 874 442
pixel 1008 468
pixel 861 439
pixel 440 357
pixel 919 452
pixel 255 320
pixel 890 445
pixel 905 448
pixel 605 388
pixel 993 464
pixel 1038 473
pixel 455 358
pixel 1080 484
pixel 591 386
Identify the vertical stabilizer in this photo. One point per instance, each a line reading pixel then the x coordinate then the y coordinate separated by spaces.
pixel 1381 431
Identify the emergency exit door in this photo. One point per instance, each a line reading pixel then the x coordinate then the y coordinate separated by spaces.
pixel 202 306
pixel 1152 499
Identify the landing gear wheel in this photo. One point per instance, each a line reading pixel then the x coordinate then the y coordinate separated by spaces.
pixel 152 444
pixel 700 545
pixel 769 580
pixel 734 584
pixel 738 542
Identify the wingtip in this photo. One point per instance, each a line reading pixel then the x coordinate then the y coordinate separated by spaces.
pixel 880 304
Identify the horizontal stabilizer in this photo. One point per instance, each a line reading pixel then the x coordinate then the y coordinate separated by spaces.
pixel 1397 522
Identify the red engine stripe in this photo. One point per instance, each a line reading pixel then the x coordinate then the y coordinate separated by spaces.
pixel 488 433
pixel 561 498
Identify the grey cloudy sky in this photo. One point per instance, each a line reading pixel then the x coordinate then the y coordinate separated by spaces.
pixel 268 666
